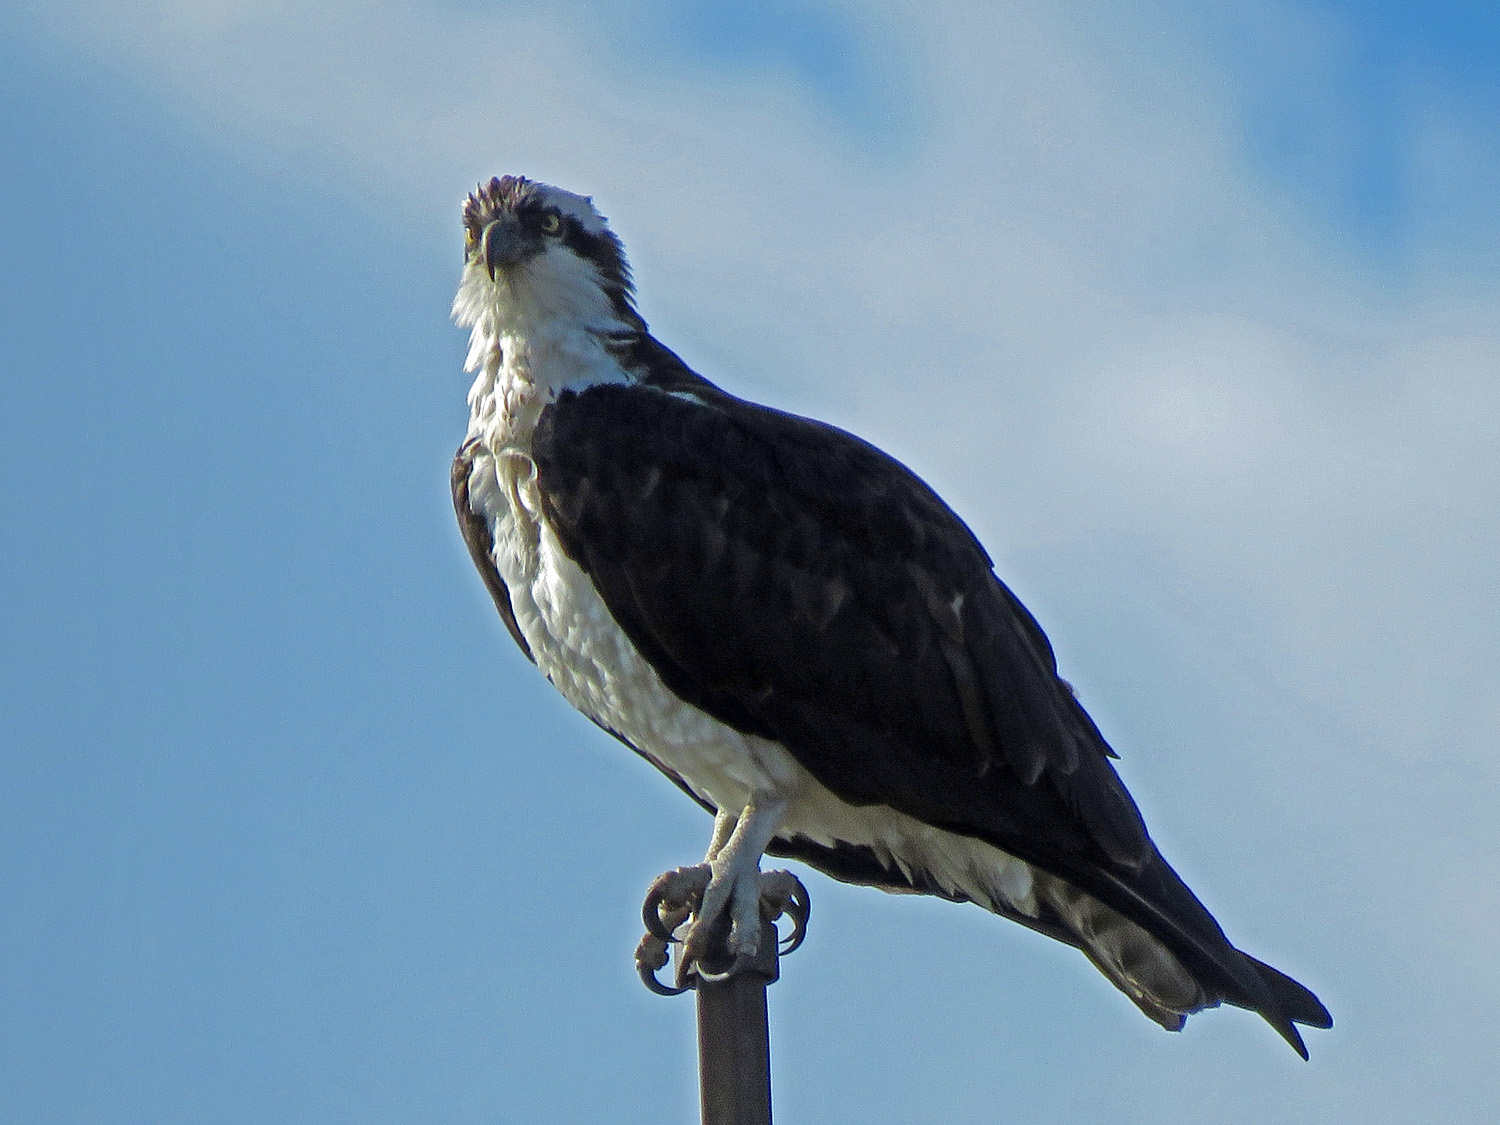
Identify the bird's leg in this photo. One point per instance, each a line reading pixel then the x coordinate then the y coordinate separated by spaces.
pixel 724 824
pixel 733 889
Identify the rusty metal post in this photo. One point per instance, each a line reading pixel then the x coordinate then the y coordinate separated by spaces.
pixel 734 1045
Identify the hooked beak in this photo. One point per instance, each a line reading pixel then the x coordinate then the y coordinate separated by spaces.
pixel 504 244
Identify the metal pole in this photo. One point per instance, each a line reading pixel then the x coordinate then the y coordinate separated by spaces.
pixel 734 1045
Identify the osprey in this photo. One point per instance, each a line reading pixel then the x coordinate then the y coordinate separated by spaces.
pixel 795 629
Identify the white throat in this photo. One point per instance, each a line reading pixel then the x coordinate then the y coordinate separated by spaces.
pixel 536 331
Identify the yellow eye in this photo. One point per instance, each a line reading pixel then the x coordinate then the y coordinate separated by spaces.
pixel 550 224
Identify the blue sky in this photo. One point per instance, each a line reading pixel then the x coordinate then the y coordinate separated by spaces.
pixel 1191 312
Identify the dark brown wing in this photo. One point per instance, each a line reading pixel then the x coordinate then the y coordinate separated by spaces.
pixel 481 544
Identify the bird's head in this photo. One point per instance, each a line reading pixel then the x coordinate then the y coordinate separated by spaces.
pixel 536 255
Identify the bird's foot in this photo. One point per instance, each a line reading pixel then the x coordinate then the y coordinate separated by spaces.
pixel 671 900
pixel 724 914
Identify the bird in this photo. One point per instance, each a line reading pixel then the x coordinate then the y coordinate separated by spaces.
pixel 796 630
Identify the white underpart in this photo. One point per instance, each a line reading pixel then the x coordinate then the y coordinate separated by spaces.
pixel 535 335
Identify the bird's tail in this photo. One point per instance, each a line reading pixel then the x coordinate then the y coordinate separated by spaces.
pixel 1182 963
pixel 1294 1004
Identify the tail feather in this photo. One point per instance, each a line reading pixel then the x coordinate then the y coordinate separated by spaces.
pixel 1177 949
pixel 1294 1004
pixel 1300 1005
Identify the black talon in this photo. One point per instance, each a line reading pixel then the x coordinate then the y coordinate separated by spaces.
pixel 795 903
pixel 651 957
pixel 651 915
pixel 657 896
pixel 801 907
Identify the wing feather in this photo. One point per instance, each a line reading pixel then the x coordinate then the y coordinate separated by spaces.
pixel 481 542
